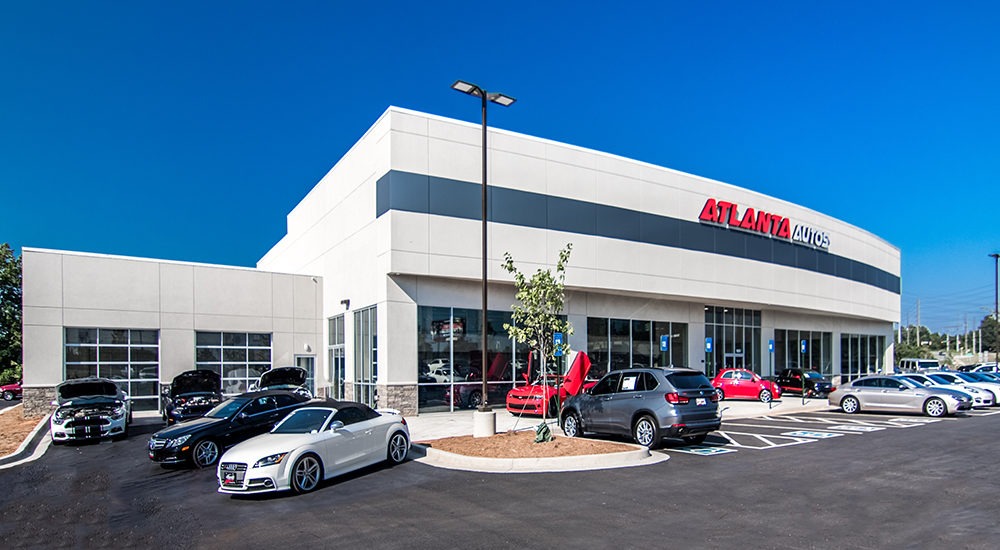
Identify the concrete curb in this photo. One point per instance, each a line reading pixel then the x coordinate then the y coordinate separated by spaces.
pixel 32 448
pixel 640 456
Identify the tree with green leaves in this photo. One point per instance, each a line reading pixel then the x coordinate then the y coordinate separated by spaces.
pixel 540 299
pixel 10 315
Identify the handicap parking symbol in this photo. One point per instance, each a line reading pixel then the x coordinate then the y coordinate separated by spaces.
pixel 705 450
pixel 815 435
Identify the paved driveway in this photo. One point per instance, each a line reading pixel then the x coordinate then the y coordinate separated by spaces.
pixel 876 485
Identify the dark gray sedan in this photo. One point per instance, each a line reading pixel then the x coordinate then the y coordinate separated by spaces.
pixel 884 393
pixel 648 403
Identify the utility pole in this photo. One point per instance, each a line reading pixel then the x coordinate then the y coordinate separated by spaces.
pixel 918 322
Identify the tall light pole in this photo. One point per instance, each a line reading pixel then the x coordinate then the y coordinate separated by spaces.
pixel 506 101
pixel 996 306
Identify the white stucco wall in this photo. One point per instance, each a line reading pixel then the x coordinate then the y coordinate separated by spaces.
pixel 71 289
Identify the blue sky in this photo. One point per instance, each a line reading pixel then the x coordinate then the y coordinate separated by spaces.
pixel 188 130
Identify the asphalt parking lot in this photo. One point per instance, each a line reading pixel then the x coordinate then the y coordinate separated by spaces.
pixel 810 480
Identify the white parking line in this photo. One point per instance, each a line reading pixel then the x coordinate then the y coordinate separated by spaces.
pixel 776 427
pixel 841 420
pixel 817 435
pixel 704 450
pixel 769 441
pixel 857 428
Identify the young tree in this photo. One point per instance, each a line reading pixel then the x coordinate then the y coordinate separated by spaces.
pixel 10 311
pixel 541 299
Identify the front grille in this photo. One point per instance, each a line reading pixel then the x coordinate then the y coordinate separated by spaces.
pixel 522 406
pixel 231 474
pixel 88 421
pixel 156 444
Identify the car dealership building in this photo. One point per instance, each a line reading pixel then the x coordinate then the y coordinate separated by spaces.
pixel 375 288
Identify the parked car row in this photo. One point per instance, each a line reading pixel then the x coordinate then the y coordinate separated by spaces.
pixel 934 393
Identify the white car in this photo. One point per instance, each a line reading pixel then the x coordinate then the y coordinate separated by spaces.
pixel 312 444
pixel 89 409
pixel 970 379
pixel 980 397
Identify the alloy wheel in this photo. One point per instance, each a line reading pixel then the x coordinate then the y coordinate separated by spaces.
pixel 644 432
pixel 306 473
pixel 206 452
pixel 935 408
pixel 570 427
pixel 397 448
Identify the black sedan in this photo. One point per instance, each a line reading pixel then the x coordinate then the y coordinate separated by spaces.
pixel 796 381
pixel 191 394
pixel 201 441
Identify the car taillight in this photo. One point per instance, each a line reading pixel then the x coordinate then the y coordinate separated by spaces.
pixel 677 399
pixel 833 389
pixel 715 397
pixel 402 420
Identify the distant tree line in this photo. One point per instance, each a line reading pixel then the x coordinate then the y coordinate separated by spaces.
pixel 10 315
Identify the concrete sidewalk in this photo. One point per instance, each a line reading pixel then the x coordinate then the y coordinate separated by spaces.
pixel 429 426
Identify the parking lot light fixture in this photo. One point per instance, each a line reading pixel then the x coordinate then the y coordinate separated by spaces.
pixel 506 101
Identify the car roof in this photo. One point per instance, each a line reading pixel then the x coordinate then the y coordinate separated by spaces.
pixel 253 394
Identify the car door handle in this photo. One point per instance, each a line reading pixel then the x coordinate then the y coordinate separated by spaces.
pixel 636 397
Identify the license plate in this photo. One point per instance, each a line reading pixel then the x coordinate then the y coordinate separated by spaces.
pixel 700 401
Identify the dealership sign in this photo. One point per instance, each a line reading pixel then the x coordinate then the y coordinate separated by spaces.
pixel 771 225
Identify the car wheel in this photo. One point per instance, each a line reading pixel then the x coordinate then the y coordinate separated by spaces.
pixel 571 425
pixel 645 432
pixel 397 448
pixel 850 405
pixel 695 439
pixel 205 453
pixel 306 474
pixel 475 399
pixel 765 396
pixel 935 407
pixel 8 395
pixel 718 391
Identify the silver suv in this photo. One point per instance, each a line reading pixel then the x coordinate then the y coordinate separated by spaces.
pixel 648 403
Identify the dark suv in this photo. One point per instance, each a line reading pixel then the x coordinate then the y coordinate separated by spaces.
pixel 648 404
pixel 202 440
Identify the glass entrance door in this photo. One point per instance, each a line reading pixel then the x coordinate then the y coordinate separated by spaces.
pixel 308 362
pixel 733 361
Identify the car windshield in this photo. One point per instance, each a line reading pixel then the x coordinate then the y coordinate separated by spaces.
pixel 966 377
pixel 914 380
pixel 814 375
pixel 549 379
pixel 226 409
pixel 940 378
pixel 303 421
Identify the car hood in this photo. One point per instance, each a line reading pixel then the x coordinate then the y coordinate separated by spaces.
pixel 189 427
pixel 86 388
pixel 283 376
pixel 90 401
pixel 195 381
pixel 526 391
pixel 258 447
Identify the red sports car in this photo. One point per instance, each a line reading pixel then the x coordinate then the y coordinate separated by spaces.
pixel 10 391
pixel 540 396
pixel 743 384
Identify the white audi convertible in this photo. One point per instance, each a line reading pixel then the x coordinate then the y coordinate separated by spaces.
pixel 311 444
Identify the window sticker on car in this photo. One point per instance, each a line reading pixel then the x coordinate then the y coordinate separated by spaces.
pixel 628 383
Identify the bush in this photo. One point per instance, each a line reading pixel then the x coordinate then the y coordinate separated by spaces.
pixel 10 376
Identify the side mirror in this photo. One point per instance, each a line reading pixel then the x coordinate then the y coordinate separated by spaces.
pixel 336 425
pixel 242 417
pixel 55 403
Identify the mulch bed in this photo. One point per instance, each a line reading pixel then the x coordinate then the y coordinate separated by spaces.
pixel 522 445
pixel 14 428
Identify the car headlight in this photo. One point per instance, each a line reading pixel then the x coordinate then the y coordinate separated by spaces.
pixel 63 415
pixel 270 460
pixel 118 412
pixel 179 441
